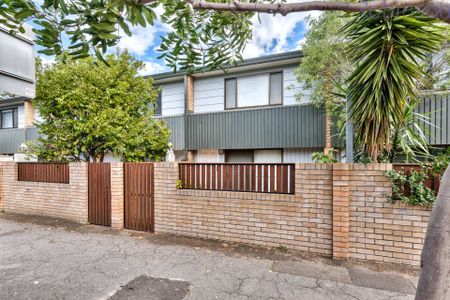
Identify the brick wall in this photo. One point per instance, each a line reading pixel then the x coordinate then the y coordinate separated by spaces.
pixel 338 210
pixel 301 221
pixel 380 231
pixel 67 201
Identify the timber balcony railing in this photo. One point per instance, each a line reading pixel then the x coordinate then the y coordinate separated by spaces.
pixel 239 177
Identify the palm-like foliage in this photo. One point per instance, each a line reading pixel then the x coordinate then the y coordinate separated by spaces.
pixel 387 49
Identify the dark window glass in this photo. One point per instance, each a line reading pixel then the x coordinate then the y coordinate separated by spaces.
pixel 158 104
pixel 7 117
pixel 230 93
pixel 276 88
pixel 239 156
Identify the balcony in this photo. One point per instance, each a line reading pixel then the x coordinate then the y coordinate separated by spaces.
pixel 298 126
pixel 11 139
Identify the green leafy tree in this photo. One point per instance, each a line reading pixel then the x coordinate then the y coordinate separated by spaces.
pixel 387 49
pixel 89 109
pixel 324 67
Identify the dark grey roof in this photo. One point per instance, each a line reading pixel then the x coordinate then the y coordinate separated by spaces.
pixel 244 63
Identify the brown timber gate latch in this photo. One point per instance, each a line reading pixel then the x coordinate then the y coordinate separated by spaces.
pixel 139 191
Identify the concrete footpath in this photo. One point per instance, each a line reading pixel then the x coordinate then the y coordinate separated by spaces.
pixel 43 258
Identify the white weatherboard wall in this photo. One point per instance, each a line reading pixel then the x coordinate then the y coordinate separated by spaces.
pixel 297 155
pixel 291 87
pixel 20 116
pixel 209 92
pixel 172 97
pixel 209 155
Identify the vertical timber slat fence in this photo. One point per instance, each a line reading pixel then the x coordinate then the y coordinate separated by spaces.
pixel 239 177
pixel 43 172
pixel 431 182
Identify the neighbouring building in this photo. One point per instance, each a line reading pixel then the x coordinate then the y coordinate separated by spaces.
pixel 17 88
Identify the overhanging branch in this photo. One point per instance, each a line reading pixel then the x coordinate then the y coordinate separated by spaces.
pixel 439 9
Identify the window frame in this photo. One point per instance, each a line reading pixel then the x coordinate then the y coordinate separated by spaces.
pixel 269 73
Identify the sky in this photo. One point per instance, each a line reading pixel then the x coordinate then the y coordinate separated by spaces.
pixel 271 35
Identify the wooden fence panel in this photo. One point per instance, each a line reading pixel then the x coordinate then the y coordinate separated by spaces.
pixel 241 177
pixel 99 200
pixel 432 182
pixel 139 196
pixel 43 172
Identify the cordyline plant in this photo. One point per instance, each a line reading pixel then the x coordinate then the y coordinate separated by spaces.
pixel 387 50
pixel 89 109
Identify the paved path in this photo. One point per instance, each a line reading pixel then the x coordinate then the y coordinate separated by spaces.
pixel 42 261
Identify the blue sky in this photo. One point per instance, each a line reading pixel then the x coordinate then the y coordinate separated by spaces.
pixel 275 34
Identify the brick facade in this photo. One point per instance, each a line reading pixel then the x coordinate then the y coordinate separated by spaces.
pixel 67 201
pixel 28 114
pixel 189 94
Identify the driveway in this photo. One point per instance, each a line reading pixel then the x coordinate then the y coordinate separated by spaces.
pixel 53 259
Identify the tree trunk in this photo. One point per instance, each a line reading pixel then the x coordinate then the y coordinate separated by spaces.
pixel 435 275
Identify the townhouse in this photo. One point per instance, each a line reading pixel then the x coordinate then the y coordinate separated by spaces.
pixel 250 112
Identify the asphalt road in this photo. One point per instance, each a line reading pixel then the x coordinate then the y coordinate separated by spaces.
pixel 57 260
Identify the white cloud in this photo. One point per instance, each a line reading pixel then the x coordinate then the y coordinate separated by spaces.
pixel 272 33
pixel 140 40
pixel 151 67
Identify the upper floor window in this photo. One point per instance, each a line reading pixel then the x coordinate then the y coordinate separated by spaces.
pixel 158 103
pixel 8 118
pixel 254 90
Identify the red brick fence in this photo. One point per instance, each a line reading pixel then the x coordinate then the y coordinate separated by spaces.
pixel 336 210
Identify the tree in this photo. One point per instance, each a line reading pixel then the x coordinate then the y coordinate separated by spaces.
pixel 324 67
pixel 89 109
pixel 386 49
pixel 207 34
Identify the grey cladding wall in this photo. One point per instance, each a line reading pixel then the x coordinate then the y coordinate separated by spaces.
pixel 177 128
pixel 277 127
pixel 437 108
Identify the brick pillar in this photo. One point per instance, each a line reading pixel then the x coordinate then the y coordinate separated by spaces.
pixel 79 182
pixel 341 223
pixel 189 94
pixel 1 187
pixel 117 196
pixel 28 114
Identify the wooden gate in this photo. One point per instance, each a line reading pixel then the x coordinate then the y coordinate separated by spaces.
pixel 139 187
pixel 99 209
